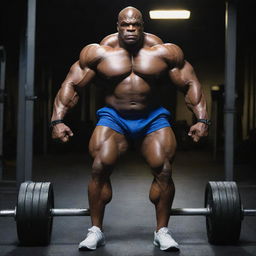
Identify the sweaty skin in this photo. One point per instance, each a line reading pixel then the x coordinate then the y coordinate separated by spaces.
pixel 131 64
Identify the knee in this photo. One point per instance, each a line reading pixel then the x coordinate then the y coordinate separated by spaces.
pixel 160 159
pixel 156 163
pixel 162 169
pixel 101 168
pixel 159 162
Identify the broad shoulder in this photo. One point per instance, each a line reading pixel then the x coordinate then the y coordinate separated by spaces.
pixel 172 53
pixel 110 40
pixel 92 54
pixel 151 39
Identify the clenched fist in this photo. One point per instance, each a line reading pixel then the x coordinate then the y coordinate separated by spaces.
pixel 198 131
pixel 61 132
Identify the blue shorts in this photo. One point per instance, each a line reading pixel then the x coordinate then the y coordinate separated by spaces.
pixel 136 126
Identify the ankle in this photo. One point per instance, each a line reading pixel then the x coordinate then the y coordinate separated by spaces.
pixel 97 228
pixel 160 227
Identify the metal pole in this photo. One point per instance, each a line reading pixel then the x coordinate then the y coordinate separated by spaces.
pixel 86 212
pixel 190 211
pixel 230 70
pixel 29 89
pixel 20 177
pixel 70 212
pixel 174 212
pixel 7 213
pixel 2 96
pixel 214 125
pixel 249 212
pixel 26 98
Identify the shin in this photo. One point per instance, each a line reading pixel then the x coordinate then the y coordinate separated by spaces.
pixel 99 191
pixel 162 193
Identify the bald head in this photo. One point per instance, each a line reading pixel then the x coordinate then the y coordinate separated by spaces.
pixel 130 26
pixel 130 13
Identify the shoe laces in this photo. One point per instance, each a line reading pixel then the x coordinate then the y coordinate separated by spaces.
pixel 93 231
pixel 165 232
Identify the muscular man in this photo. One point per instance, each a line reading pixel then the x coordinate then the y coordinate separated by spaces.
pixel 131 63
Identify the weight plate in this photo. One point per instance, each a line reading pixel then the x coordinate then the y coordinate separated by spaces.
pixel 34 221
pixel 20 209
pixel 224 222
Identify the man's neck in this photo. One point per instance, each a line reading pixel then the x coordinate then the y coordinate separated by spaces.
pixel 132 48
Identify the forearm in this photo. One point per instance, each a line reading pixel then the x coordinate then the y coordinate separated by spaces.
pixel 195 101
pixel 65 99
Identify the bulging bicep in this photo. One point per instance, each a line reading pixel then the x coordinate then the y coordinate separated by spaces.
pixel 79 76
pixel 184 75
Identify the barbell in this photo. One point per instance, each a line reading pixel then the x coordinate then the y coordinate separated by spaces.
pixel 35 210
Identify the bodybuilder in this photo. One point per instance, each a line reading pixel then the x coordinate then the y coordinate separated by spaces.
pixel 131 63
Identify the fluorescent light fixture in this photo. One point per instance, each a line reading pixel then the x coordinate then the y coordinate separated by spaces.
pixel 215 88
pixel 169 14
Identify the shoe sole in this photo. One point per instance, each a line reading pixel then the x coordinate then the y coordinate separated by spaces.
pixel 84 248
pixel 170 249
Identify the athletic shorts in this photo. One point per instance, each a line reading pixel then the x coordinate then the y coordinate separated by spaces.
pixel 138 125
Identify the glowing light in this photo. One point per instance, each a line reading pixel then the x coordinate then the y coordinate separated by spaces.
pixel 215 88
pixel 169 14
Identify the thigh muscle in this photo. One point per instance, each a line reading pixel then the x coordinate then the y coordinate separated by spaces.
pixel 107 144
pixel 159 147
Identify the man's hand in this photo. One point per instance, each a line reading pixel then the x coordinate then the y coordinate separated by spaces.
pixel 198 131
pixel 61 132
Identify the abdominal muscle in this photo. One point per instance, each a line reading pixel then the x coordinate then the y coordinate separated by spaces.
pixel 131 95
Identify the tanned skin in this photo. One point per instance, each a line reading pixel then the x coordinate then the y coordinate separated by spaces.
pixel 131 64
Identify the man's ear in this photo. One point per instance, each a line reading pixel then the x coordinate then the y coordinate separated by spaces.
pixel 117 27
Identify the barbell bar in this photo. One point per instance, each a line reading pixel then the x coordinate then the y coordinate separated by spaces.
pixel 65 212
pixel 35 210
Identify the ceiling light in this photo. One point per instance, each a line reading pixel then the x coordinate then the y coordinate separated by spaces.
pixel 169 14
pixel 215 88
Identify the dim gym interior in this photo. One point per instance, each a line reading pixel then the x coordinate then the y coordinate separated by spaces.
pixel 45 206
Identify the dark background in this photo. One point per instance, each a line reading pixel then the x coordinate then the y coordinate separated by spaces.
pixel 65 27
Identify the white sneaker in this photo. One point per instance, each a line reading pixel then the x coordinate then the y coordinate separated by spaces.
pixel 164 240
pixel 94 239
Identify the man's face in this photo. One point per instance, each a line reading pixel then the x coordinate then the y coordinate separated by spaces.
pixel 130 29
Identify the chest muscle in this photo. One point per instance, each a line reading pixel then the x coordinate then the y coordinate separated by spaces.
pixel 121 65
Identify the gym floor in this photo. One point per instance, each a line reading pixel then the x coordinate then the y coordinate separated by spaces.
pixel 129 218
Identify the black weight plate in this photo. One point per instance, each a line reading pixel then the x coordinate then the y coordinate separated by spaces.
pixel 24 216
pixel 34 222
pixel 235 210
pixel 224 222
pixel 46 203
pixel 20 209
pixel 210 202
